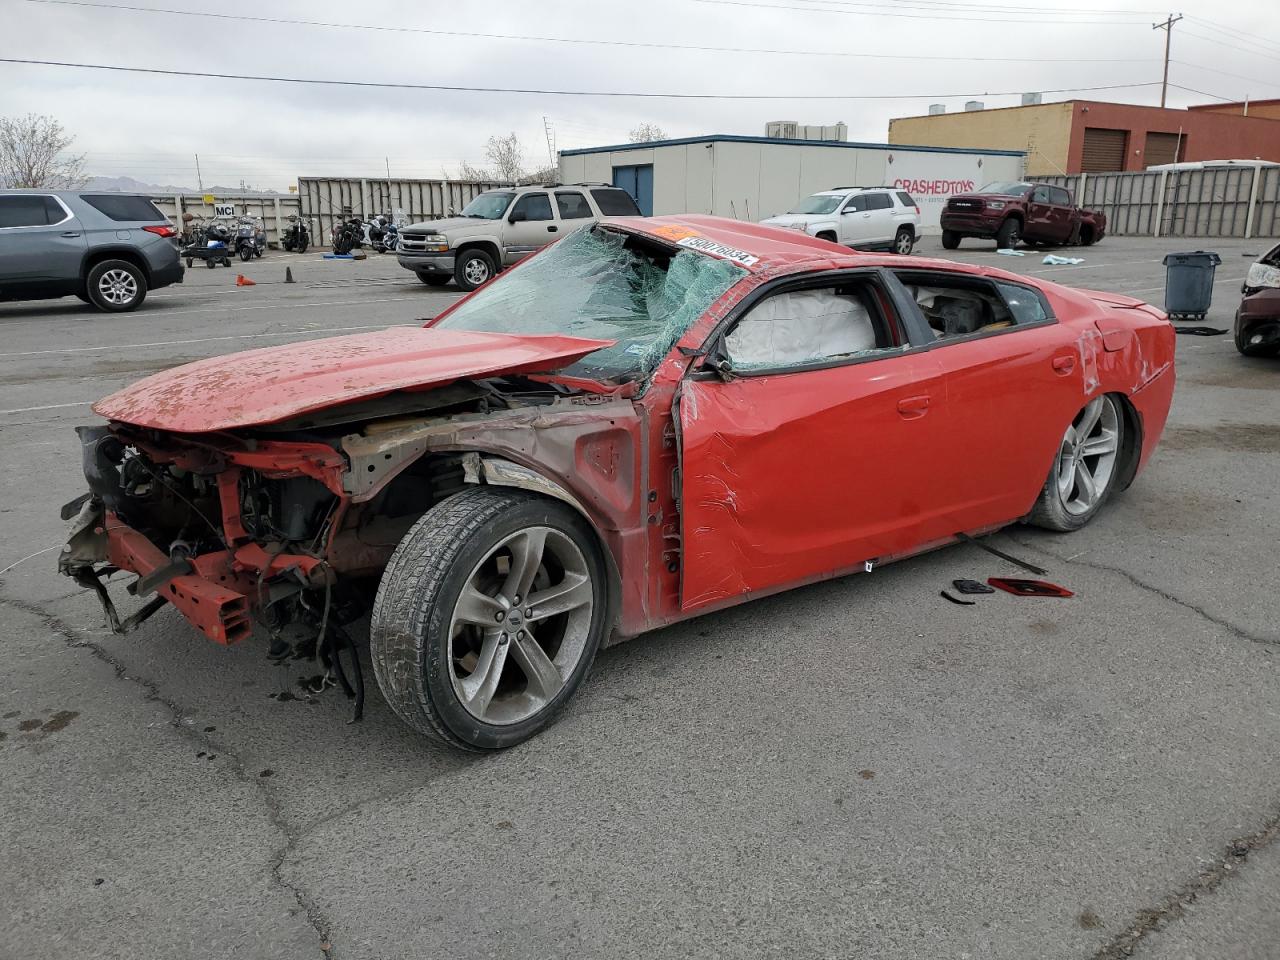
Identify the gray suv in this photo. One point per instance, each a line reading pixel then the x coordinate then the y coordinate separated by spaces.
pixel 502 227
pixel 108 249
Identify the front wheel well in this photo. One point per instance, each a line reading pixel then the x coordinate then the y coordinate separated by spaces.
pixel 828 235
pixel 488 246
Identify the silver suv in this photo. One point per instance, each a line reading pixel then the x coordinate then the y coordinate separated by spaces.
pixel 108 249
pixel 501 227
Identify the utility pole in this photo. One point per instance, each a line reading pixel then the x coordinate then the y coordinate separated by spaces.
pixel 199 179
pixel 551 140
pixel 1167 27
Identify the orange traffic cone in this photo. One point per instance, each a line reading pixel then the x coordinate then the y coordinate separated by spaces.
pixel 243 281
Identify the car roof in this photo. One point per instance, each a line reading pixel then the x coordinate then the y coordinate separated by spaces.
pixel 779 247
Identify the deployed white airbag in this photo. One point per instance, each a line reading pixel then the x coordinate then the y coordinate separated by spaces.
pixel 801 327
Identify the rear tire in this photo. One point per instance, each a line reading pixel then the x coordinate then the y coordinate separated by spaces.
pixel 903 241
pixel 302 246
pixel 950 240
pixel 116 286
pixel 1086 470
pixel 434 279
pixel 460 655
pixel 1009 235
pixel 473 268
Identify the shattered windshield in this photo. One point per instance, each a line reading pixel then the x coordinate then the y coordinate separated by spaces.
pixel 1006 189
pixel 818 203
pixel 488 206
pixel 605 285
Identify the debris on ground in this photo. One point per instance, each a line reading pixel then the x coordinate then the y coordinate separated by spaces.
pixel 1056 261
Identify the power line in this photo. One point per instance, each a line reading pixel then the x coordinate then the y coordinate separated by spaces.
pixel 975 7
pixel 1233 45
pixel 451 88
pixel 1235 34
pixel 911 16
pixel 1224 73
pixel 698 48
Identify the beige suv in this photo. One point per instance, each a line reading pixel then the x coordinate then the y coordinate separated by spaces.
pixel 501 227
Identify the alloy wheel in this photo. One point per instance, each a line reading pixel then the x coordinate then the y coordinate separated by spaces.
pixel 476 271
pixel 520 625
pixel 118 287
pixel 1088 455
pixel 903 243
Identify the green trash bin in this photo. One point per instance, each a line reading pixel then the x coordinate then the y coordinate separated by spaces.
pixel 1188 284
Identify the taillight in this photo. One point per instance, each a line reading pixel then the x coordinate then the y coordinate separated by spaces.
pixel 162 230
pixel 917 209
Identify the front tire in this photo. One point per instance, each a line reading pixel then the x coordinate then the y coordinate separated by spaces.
pixel 473 269
pixel 1086 469
pixel 246 254
pixel 488 617
pixel 116 286
pixel 1009 235
pixel 950 240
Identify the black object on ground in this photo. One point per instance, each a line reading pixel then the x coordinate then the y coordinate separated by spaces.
pixel 972 586
pixel 1029 588
pixel 1201 331
pixel 1029 567
pixel 958 601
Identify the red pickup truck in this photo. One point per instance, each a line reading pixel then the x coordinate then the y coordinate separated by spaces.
pixel 1013 212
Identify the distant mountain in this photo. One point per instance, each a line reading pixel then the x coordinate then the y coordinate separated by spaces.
pixel 130 185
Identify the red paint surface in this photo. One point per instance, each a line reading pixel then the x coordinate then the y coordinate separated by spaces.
pixel 275 383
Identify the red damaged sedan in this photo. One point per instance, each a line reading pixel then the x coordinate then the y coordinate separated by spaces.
pixel 649 420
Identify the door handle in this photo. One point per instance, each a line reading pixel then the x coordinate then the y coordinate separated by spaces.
pixel 913 408
pixel 552 229
pixel 70 233
pixel 1064 365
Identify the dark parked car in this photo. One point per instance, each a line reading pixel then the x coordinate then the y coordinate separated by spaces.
pixel 108 249
pixel 1013 212
pixel 1258 319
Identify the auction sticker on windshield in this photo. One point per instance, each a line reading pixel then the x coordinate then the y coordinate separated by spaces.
pixel 718 250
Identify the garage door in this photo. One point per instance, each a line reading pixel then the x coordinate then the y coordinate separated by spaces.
pixel 1161 148
pixel 1104 150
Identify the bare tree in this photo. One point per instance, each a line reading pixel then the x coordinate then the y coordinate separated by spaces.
pixel 647 133
pixel 467 171
pixel 34 152
pixel 506 155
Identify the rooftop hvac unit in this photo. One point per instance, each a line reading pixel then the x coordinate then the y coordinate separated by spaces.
pixel 1030 99
pixel 791 130
pixel 937 108
pixel 972 106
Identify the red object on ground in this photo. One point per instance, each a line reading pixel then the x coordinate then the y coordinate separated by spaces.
pixel 243 281
pixel 1029 588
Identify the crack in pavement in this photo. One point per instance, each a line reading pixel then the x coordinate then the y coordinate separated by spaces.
pixel 181 720
pixel 1150 588
pixel 1175 905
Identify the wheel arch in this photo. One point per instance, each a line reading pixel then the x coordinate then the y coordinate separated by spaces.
pixel 1131 442
pixel 95 256
pixel 487 245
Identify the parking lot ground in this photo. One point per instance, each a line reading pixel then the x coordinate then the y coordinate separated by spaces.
pixel 854 769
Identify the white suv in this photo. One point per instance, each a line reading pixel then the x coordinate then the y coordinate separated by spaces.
pixel 502 227
pixel 866 218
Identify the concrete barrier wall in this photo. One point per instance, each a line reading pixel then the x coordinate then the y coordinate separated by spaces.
pixel 1241 201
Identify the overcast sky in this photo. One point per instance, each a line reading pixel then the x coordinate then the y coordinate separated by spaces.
pixel 268 134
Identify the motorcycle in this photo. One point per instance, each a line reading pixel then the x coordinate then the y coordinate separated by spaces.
pixel 381 234
pixel 348 235
pixel 251 238
pixel 295 236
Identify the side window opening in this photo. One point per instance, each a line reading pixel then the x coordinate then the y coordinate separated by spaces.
pixel 572 205
pixel 878 201
pixel 857 204
pixel 25 210
pixel 799 328
pixel 960 306
pixel 534 206
pixel 906 199
pixel 1040 195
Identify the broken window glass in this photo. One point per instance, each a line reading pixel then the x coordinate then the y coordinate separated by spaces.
pixel 605 285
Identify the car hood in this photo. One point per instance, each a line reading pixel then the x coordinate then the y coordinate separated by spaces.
pixel 275 383
pixel 447 223
pixel 798 220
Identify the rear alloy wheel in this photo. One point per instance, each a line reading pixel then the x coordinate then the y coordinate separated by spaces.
pixel 116 286
pixel 474 268
pixel 488 617
pixel 1009 235
pixel 1085 468
pixel 903 241
pixel 950 240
